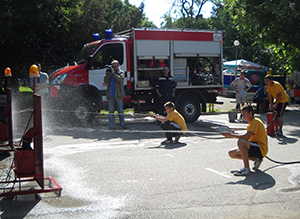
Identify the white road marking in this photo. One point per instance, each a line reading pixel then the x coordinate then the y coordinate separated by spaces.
pixel 170 155
pixel 217 172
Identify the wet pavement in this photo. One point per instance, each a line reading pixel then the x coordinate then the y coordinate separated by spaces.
pixel 128 174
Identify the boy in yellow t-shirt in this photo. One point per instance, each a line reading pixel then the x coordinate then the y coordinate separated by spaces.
pixel 251 146
pixel 173 121
pixel 280 97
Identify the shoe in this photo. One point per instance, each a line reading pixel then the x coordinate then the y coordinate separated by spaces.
pixel 112 128
pixel 123 127
pixel 257 163
pixel 241 118
pixel 167 142
pixel 177 137
pixel 242 172
pixel 278 133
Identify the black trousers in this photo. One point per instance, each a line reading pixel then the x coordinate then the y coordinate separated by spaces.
pixel 161 102
pixel 170 126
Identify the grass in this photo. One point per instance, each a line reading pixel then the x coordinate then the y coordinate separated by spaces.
pixel 25 94
pixel 232 110
pixel 25 89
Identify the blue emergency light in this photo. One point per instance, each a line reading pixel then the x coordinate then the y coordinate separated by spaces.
pixel 96 36
pixel 108 34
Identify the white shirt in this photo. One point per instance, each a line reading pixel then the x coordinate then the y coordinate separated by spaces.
pixel 241 84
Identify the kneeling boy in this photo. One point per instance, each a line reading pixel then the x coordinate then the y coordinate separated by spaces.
pixel 251 146
pixel 173 121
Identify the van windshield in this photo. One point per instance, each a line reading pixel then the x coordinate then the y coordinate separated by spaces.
pixel 86 51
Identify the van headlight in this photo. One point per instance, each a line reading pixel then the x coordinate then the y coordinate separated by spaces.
pixel 59 79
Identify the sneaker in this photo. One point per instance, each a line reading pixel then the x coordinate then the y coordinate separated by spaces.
pixel 167 142
pixel 177 137
pixel 242 172
pixel 257 163
pixel 112 128
pixel 278 133
pixel 124 127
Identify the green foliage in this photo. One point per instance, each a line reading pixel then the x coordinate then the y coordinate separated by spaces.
pixel 25 89
pixel 189 8
pixel 25 94
pixel 272 24
pixel 53 31
pixel 267 30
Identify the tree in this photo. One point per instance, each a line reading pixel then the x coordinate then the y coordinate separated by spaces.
pixel 273 24
pixel 53 31
pixel 190 8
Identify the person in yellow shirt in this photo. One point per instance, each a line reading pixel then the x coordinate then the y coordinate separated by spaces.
pixel 279 104
pixel 251 146
pixel 173 121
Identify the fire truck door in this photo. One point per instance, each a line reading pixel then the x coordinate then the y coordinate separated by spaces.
pixel 102 59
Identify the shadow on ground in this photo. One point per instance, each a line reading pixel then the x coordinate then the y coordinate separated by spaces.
pixel 258 180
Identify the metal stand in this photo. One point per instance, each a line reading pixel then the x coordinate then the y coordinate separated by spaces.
pixel 6 134
pixel 28 162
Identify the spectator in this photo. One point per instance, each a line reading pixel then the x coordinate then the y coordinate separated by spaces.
pixel 115 93
pixel 241 85
pixel 165 88
pixel 261 98
pixel 41 86
pixel 42 82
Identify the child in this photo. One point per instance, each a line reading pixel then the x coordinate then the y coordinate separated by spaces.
pixel 251 146
pixel 173 121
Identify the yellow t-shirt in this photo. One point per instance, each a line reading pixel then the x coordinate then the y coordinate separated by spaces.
pixel 275 89
pixel 259 135
pixel 176 117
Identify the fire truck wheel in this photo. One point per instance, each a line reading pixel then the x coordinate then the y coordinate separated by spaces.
pixel 82 113
pixel 189 109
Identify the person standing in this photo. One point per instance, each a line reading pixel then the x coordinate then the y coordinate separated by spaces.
pixel 251 146
pixel 279 104
pixel 165 89
pixel 241 85
pixel 115 93
pixel 261 98
pixel 41 85
pixel 42 82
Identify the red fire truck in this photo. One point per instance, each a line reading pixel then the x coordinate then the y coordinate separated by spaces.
pixel 193 56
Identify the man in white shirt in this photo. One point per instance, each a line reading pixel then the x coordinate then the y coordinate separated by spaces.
pixel 241 85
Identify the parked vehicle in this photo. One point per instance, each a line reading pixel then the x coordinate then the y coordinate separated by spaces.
pixel 193 56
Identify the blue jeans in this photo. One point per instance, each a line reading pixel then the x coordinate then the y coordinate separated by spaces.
pixel 111 108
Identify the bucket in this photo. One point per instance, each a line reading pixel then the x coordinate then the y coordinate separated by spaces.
pixel 232 116
pixel 273 127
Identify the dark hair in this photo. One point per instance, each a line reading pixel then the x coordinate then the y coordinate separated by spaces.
pixel 269 77
pixel 38 64
pixel 169 104
pixel 248 109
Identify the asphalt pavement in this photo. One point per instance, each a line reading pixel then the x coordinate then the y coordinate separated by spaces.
pixel 129 174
